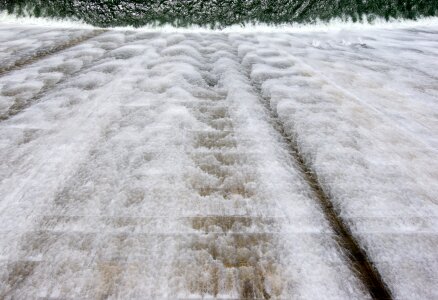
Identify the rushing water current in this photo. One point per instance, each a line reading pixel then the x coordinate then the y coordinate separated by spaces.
pixel 146 164
pixel 218 13
pixel 192 158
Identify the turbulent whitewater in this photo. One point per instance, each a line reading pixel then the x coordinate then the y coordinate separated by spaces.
pixel 151 164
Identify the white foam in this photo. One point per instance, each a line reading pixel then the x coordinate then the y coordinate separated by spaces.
pixel 103 177
pixel 14 20
pixel 367 127
pixel 335 24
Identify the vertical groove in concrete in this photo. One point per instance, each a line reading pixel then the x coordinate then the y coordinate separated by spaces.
pixel 359 262
pixel 43 53
pixel 19 106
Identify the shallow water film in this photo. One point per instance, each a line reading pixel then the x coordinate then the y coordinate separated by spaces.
pixel 277 160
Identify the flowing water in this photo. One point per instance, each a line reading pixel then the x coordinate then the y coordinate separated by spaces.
pixel 253 163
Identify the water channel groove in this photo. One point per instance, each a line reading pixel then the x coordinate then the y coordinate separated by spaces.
pixel 358 259
pixel 43 53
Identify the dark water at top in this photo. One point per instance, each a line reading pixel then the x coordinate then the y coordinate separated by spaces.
pixel 218 13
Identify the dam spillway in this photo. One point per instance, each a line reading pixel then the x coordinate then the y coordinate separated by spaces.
pixel 139 164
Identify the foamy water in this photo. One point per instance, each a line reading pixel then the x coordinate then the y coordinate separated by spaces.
pixel 144 164
pixel 335 24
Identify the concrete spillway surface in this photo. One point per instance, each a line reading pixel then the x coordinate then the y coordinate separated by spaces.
pixel 151 165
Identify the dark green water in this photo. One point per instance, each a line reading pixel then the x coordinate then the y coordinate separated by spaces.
pixel 218 13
